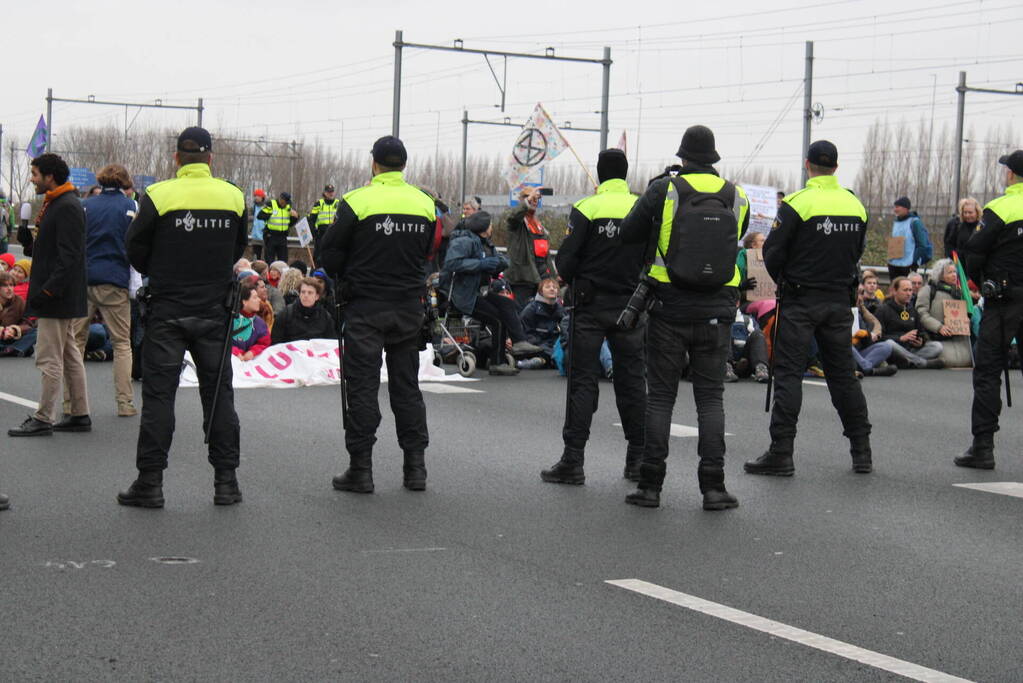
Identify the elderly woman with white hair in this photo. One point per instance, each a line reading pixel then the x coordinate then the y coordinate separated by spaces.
pixel 943 285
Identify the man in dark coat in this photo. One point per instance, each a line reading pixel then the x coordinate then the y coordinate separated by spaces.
pixel 56 296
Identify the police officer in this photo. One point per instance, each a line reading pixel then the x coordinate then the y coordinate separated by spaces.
pixel 322 215
pixel 377 248
pixel 812 253
pixel 684 320
pixel 994 258
pixel 187 235
pixel 602 272
pixel 279 217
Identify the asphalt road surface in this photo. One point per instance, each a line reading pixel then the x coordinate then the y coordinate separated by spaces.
pixel 493 575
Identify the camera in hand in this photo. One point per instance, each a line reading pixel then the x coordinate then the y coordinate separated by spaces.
pixel 994 289
pixel 638 303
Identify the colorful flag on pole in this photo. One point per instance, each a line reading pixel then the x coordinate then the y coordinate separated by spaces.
pixel 964 289
pixel 537 143
pixel 622 143
pixel 37 145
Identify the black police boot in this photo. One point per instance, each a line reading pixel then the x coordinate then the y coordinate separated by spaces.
pixel 777 461
pixel 358 478
pixel 145 492
pixel 712 486
pixel 861 456
pixel 5 502
pixel 644 498
pixel 225 488
pixel 633 459
pixel 415 471
pixel 568 470
pixel 74 423
pixel 979 456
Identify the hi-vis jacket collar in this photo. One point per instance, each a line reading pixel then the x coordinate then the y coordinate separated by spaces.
pixel 613 185
pixel 195 171
pixel 1015 188
pixel 824 182
pixel 389 178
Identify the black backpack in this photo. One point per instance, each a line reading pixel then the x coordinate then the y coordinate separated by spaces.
pixel 704 239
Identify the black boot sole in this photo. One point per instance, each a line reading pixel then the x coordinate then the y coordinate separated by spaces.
pixel 788 472
pixel 415 485
pixel 642 503
pixel 151 503
pixel 720 506
pixel 862 468
pixel 555 479
pixel 970 464
pixel 42 432
pixel 353 488
pixel 77 428
pixel 227 499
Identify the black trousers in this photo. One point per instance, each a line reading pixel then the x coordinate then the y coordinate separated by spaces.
pixel 667 345
pixel 501 316
pixel 372 328
pixel 1001 322
pixel 829 321
pixel 166 340
pixel 275 245
pixel 593 322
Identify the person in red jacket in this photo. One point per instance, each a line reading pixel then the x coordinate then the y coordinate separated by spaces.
pixel 250 335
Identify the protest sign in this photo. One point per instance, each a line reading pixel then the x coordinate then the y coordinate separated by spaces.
pixel 896 248
pixel 763 207
pixel 956 318
pixel 755 268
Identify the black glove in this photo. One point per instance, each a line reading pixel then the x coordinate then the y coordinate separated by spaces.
pixel 748 284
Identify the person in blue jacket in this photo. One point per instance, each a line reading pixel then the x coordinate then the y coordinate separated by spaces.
pixel 917 249
pixel 469 266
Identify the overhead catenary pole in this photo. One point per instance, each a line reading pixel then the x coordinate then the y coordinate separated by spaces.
pixel 605 96
pixel 465 150
pixel 807 105
pixel 198 110
pixel 396 111
pixel 957 182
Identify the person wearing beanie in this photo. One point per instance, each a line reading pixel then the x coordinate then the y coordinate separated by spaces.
pixel 602 272
pixel 258 224
pixel 813 253
pixel 470 266
pixel 916 246
pixel 56 298
pixel 20 271
pixel 6 262
pixel 688 317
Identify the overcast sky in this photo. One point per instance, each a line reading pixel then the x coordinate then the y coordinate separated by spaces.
pixel 306 69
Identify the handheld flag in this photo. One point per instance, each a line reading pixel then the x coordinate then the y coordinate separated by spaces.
pixel 964 289
pixel 37 145
pixel 537 143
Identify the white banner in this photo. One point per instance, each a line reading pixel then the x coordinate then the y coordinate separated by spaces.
pixel 537 143
pixel 305 235
pixel 307 363
pixel 763 207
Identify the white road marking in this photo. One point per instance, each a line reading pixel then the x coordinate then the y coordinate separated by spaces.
pixel 780 630
pixel 402 550
pixel 683 431
pixel 1006 488
pixel 11 398
pixel 815 383
pixel 436 388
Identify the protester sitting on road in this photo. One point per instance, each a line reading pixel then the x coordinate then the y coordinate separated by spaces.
pixel 20 272
pixel 249 334
pixel 6 262
pixel 300 266
pixel 98 343
pixel 266 311
pixel 962 226
pixel 541 321
pixel 748 351
pixel 752 240
pixel 943 285
pixel 870 352
pixel 17 332
pixel 273 295
pixel 872 295
pixel 275 271
pixel 305 319
pixel 901 324
pixel 917 280
pixel 242 264
pixel 470 265
pixel 289 284
pixel 260 267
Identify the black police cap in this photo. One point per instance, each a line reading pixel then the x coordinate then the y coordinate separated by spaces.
pixel 389 151
pixel 328 188
pixel 1014 161
pixel 823 153
pixel 199 137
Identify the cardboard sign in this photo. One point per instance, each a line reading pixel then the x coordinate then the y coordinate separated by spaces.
pixel 755 268
pixel 305 235
pixel 956 318
pixel 896 248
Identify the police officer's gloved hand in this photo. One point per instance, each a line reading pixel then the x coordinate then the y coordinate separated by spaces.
pixel 748 284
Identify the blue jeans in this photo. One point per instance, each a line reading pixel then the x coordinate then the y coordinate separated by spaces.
pixel 873 355
pixel 23 346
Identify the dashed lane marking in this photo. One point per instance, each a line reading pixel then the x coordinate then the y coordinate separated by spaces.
pixel 11 398
pixel 448 389
pixel 1005 488
pixel 683 431
pixel 780 630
